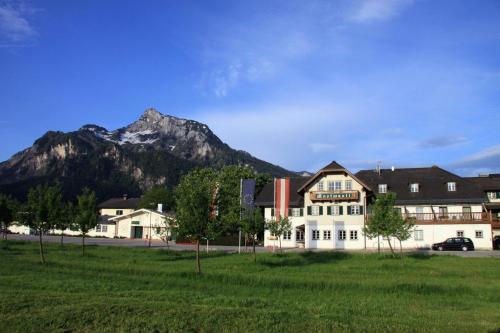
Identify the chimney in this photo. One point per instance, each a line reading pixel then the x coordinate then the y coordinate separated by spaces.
pixel 125 196
pixel 160 208
pixel 392 168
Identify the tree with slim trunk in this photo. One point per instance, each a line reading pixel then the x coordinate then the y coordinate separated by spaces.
pixel 8 207
pixel 38 210
pixel 278 227
pixel 56 208
pixel 386 221
pixel 196 214
pixel 252 223
pixel 86 215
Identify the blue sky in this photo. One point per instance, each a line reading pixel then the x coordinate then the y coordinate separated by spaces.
pixel 296 83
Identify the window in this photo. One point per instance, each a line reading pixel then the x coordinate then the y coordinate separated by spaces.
pixel 331 186
pixel 341 235
pixel 320 186
pixel 492 195
pixel 158 231
pixel 382 188
pixel 272 211
pixel 287 235
pixel 355 210
pixel 418 235
pixel 327 234
pixel 104 228
pixel 414 187
pixel 348 185
pixel 460 233
pixel 297 212
pixel 334 210
pixel 479 234
pixel 443 212
pixel 315 210
pixel 299 236
pixel 98 228
pixel 452 186
pixel 315 235
pixel 119 212
pixel 353 235
pixel 338 185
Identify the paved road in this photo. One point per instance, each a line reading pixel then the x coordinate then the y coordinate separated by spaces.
pixel 155 244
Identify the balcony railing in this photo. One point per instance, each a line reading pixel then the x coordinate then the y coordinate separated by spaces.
pixel 448 217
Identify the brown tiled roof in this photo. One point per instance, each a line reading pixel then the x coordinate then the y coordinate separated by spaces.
pixel 120 203
pixel 487 183
pixel 432 185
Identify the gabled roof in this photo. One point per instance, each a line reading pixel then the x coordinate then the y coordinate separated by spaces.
pixel 142 211
pixel 266 195
pixel 332 167
pixel 432 185
pixel 120 203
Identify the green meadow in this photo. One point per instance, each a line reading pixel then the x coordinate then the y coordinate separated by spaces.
pixel 129 289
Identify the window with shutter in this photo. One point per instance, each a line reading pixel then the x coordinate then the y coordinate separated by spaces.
pixel 329 210
pixel 320 210
pixel 309 210
pixel 302 212
pixel 272 211
pixel 341 210
pixel 348 210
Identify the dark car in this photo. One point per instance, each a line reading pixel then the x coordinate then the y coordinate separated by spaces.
pixel 454 244
pixel 496 243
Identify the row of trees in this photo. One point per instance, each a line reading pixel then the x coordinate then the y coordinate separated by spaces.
pixel 45 210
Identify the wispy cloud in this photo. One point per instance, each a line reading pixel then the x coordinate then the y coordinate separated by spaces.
pixel 442 141
pixel 486 160
pixel 377 10
pixel 15 28
pixel 321 147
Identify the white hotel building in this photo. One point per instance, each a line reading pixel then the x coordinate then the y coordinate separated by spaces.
pixel 329 209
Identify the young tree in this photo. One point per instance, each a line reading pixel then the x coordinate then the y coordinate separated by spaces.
pixel 403 229
pixel 38 210
pixel 386 221
pixel 252 224
pixel 168 228
pixel 278 227
pixel 8 207
pixel 56 209
pixel 86 216
pixel 196 198
pixel 158 195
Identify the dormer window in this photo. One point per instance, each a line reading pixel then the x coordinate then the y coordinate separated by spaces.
pixel 382 188
pixel 320 186
pixel 452 186
pixel 414 187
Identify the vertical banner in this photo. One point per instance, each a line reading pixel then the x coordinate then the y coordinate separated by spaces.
pixel 247 194
pixel 281 197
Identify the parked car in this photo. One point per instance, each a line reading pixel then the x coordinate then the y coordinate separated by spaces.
pixel 496 243
pixel 454 244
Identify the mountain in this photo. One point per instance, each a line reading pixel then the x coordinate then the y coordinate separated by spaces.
pixel 155 149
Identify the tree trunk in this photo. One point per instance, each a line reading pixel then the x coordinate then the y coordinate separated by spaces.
pixel 281 250
pixel 198 266
pixel 40 243
pixel 254 253
pixel 62 239
pixel 83 244
pixel 390 246
pixel 400 248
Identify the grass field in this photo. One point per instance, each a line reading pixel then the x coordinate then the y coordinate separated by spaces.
pixel 129 289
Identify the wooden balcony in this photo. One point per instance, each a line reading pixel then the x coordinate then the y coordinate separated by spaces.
pixel 449 218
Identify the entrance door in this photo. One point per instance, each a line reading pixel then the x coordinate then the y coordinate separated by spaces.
pixel 136 232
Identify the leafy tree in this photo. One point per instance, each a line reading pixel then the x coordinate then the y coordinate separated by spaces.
pixel 86 216
pixel 229 204
pixel 168 228
pixel 56 209
pixel 386 221
pixel 158 195
pixel 252 224
pixel 39 210
pixel 403 229
pixel 261 179
pixel 196 196
pixel 8 207
pixel 278 227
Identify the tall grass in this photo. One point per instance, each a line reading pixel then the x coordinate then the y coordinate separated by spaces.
pixel 129 289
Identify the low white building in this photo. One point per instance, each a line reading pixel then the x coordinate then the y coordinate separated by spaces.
pixel 330 209
pixel 143 224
